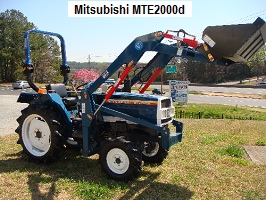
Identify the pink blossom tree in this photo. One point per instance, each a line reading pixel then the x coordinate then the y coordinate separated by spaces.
pixel 84 75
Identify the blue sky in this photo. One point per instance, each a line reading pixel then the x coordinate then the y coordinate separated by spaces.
pixel 105 38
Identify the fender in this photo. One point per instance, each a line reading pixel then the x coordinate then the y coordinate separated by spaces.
pixel 52 100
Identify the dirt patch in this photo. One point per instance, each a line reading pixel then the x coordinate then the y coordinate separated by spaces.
pixel 250 96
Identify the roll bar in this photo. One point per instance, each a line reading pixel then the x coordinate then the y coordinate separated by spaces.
pixel 28 66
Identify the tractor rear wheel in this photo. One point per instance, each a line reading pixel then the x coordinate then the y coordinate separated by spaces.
pixel 120 159
pixel 153 152
pixel 39 133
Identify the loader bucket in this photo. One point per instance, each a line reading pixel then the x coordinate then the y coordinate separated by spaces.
pixel 233 43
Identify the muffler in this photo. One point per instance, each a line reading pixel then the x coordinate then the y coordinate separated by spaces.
pixel 233 43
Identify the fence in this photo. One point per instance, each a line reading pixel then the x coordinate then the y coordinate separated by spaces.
pixel 202 115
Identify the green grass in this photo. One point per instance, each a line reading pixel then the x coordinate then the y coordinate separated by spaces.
pixel 216 111
pixel 93 190
pixel 209 163
pixel 252 195
pixel 195 92
pixel 233 151
pixel 260 142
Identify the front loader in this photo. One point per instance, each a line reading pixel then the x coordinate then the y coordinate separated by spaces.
pixel 223 45
pixel 124 128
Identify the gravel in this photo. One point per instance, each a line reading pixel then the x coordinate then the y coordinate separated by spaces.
pixel 10 111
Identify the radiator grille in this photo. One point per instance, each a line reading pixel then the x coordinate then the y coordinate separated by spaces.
pixel 166 103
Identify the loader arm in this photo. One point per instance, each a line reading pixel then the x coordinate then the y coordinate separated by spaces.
pixel 160 60
pixel 135 50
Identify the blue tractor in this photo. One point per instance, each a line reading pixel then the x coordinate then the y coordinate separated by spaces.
pixel 124 128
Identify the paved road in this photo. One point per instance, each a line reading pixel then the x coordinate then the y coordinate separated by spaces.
pixel 228 90
pixel 225 100
pixel 237 90
pixel 233 101
pixel 10 111
pixel 11 91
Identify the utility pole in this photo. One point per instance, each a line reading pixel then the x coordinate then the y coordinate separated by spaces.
pixel 89 59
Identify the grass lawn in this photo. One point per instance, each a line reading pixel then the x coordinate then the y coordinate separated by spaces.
pixel 209 163
pixel 216 111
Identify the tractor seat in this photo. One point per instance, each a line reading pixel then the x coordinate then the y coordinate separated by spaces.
pixel 60 89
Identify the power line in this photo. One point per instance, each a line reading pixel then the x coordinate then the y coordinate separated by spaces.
pixel 247 18
pixel 262 14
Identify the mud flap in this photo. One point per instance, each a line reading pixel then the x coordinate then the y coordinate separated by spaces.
pixel 233 43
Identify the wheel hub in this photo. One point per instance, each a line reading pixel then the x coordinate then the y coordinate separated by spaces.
pixel 38 134
pixel 118 161
pixel 151 149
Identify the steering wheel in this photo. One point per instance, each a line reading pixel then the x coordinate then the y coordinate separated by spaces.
pixel 82 85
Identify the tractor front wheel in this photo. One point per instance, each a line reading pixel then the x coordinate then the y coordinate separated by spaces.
pixel 153 152
pixel 120 159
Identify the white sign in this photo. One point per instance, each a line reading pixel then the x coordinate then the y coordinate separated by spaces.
pixel 179 91
pixel 129 9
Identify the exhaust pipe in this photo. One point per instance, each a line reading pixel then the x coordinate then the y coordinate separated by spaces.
pixel 233 43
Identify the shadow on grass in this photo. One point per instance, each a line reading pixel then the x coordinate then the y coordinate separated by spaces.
pixel 74 169
pixel 149 188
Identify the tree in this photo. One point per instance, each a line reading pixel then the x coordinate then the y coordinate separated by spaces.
pixel 45 58
pixel 84 75
pixel 44 50
pixel 257 63
pixel 237 71
pixel 201 72
pixel 13 24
